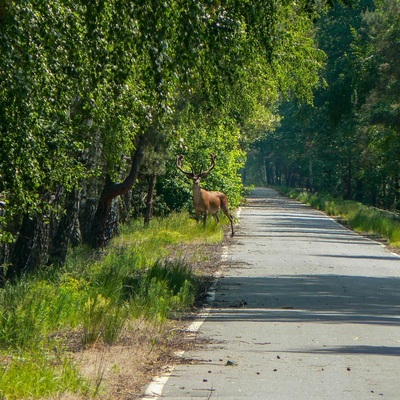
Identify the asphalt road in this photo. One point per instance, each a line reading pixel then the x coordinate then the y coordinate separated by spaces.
pixel 305 309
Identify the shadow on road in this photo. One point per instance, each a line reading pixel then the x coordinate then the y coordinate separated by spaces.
pixel 303 298
pixel 323 298
pixel 361 349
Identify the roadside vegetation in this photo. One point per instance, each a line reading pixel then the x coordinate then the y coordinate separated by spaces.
pixel 92 117
pixel 359 217
pixel 347 143
pixel 94 299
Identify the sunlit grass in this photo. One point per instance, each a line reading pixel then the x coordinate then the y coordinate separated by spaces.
pixel 34 376
pixel 94 297
pixel 166 287
pixel 176 228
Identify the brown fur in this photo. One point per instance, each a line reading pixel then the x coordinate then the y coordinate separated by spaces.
pixel 207 202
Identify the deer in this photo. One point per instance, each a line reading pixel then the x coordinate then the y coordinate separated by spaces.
pixel 204 201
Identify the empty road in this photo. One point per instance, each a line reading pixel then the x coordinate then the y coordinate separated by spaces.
pixel 305 309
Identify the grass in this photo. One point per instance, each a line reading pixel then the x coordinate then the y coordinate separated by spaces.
pixel 34 375
pixel 93 297
pixel 361 218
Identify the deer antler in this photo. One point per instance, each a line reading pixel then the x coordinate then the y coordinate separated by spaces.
pixel 205 173
pixel 179 166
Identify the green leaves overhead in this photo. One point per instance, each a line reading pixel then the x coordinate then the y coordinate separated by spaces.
pixel 80 81
pixel 348 143
pixel 38 145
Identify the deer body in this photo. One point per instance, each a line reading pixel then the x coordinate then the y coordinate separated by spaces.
pixel 207 202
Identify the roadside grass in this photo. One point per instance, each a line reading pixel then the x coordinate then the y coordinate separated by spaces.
pixel 35 375
pixel 357 216
pixel 94 298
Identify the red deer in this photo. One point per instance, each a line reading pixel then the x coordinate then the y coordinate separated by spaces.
pixel 204 201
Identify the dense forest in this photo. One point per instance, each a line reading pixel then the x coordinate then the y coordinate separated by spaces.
pixel 347 143
pixel 98 97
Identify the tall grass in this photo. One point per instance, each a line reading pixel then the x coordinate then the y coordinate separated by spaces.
pixel 358 216
pixel 93 296
pixel 166 287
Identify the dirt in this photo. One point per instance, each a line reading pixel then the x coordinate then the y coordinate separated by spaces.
pixel 122 370
pixel 125 368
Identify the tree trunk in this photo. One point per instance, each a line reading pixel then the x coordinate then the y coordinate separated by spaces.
pixel 98 236
pixel 310 185
pixel 348 180
pixel 31 246
pixel 264 171
pixel 149 200
pixel 65 229
pixel 125 207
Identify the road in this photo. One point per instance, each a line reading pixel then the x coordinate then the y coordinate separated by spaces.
pixel 305 309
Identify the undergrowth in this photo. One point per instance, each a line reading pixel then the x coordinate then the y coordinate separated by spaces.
pixel 94 296
pixel 360 217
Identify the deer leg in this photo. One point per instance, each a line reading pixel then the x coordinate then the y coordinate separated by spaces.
pixel 229 215
pixel 216 217
pixel 205 218
pixel 231 219
pixel 198 216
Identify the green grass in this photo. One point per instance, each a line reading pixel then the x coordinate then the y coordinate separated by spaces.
pixel 34 375
pixel 176 229
pixel 167 287
pixel 358 216
pixel 95 295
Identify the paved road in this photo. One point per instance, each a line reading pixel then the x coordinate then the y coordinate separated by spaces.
pixel 306 309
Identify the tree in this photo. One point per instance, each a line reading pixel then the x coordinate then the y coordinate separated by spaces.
pixel 376 47
pixel 350 137
pixel 40 144
pixel 81 107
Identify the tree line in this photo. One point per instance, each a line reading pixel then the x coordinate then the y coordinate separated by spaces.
pixel 98 97
pixel 348 142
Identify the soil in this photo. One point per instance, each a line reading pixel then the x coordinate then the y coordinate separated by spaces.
pixel 122 370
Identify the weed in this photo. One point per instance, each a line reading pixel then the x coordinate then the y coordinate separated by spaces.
pixel 35 375
pixel 167 286
pixel 96 294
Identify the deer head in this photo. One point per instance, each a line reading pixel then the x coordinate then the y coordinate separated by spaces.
pixel 191 175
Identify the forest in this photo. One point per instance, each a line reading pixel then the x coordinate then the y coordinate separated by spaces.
pixel 347 141
pixel 97 99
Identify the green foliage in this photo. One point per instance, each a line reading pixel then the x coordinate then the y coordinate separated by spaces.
pixel 175 229
pixel 94 297
pixel 85 83
pixel 197 145
pixel 348 143
pixel 166 287
pixel 103 318
pixel 297 67
pixel 35 376
pixel 39 142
